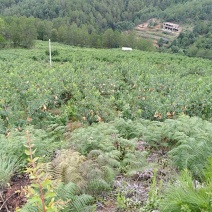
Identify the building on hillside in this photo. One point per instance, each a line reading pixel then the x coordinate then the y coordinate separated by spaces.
pixel 167 26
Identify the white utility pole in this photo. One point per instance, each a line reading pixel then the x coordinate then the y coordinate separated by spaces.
pixel 50 53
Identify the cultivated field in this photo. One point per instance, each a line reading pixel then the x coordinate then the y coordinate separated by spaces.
pixel 113 127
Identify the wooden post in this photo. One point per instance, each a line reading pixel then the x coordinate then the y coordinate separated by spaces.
pixel 50 53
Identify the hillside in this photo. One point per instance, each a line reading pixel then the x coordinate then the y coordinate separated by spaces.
pixel 121 14
pixel 106 24
pixel 111 130
pixel 153 29
pixel 191 40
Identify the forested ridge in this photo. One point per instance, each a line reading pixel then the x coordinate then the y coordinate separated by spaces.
pixel 101 24
pixel 120 14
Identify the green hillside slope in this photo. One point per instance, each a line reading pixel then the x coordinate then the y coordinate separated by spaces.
pixel 105 122
pixel 132 85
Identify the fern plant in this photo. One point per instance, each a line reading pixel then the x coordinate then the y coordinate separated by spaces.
pixel 188 195
pixel 188 139
pixel 99 176
pixel 66 167
pixel 69 193
pixel 88 175
pixel 107 153
pixel 13 145
pixel 105 140
pixel 193 144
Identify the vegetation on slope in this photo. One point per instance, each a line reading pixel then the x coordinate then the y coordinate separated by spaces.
pixel 121 14
pixel 196 42
pixel 101 115
pixel 133 85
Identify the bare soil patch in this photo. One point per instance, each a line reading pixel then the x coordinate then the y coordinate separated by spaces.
pixel 13 196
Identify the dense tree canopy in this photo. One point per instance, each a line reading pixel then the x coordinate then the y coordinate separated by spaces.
pixel 22 31
pixel 195 43
pixel 119 14
pixel 100 23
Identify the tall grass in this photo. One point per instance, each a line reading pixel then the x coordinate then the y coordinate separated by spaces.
pixel 7 169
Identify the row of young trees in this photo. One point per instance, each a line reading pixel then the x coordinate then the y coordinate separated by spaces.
pixel 22 31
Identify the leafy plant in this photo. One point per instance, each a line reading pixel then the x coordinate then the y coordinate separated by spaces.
pixel 121 202
pixel 53 53
pixel 45 194
pixel 91 89
pixel 153 199
pixel 40 193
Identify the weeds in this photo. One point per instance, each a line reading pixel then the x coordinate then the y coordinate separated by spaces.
pixel 7 169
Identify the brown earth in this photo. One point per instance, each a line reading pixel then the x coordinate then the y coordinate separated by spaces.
pixel 13 196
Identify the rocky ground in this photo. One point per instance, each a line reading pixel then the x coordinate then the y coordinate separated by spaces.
pixel 131 193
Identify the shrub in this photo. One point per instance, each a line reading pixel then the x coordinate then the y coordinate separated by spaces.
pixel 54 52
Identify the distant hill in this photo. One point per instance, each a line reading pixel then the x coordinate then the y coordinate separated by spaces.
pixel 85 22
pixel 103 14
pixel 194 39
